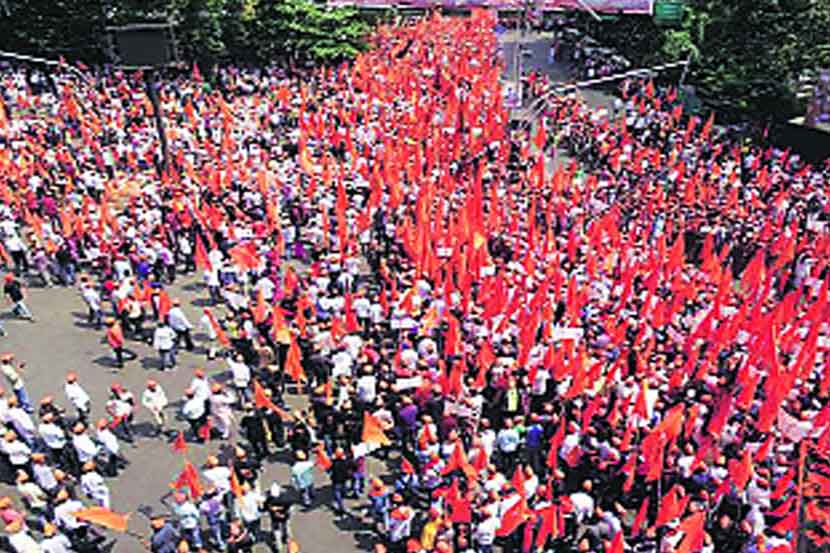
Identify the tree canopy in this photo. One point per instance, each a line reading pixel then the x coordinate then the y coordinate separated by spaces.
pixel 207 31
pixel 748 54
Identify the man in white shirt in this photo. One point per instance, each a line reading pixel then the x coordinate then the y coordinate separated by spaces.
pixel 193 411
pixel 180 324
pixel 241 376
pixel 93 485
pixel 109 442
pixel 18 452
pixel 77 396
pixel 83 444
pixel 164 341
pixel 154 400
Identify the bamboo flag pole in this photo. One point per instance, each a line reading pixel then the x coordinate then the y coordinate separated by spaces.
pixel 802 456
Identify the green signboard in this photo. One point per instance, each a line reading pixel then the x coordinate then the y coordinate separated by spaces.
pixel 668 12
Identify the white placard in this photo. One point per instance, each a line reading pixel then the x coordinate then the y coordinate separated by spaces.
pixel 408 383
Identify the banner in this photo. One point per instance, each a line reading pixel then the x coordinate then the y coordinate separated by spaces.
pixel 601 6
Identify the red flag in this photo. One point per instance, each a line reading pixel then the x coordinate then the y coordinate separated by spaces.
pixel 741 471
pixel 293 362
pixel 204 431
pixel 323 460
pixel 261 399
pixel 692 528
pixel 179 445
pixel 200 256
pixel 261 308
pixel 189 478
pixel 671 507
pixel 236 488
pixel 640 519
pixel 164 305
pixel 214 324
pixel 616 545
pixel 513 518
pixel 406 466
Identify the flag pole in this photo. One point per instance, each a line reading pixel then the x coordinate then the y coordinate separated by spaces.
pixel 802 456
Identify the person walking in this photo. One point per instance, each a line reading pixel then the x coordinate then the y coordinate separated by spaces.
pixel 180 324
pixel 164 342
pixel 115 338
pixel 154 399
pixel 16 295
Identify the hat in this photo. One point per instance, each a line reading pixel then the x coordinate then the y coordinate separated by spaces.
pixel 179 497
pixel 109 320
pixel 152 383
pixel 199 373
pixel 102 423
pixel 116 387
pixel 9 277
pixel 71 377
pixel 45 400
pixel 88 466
pixel 216 387
pixel 189 392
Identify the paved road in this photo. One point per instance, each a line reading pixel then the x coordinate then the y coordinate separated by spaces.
pixel 60 341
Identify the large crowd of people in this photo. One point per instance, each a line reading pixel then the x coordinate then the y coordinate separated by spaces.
pixel 605 333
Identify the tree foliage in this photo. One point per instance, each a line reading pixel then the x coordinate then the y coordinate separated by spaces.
pixel 748 54
pixel 207 31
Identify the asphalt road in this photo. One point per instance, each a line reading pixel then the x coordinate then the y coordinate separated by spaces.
pixel 60 341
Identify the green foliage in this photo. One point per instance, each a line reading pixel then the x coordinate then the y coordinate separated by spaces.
pixel 208 31
pixel 748 54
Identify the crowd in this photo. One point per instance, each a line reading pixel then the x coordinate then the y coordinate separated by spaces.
pixel 625 351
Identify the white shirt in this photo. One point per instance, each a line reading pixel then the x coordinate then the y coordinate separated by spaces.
pixel 86 448
pixel 200 388
pixel 18 452
pixel 108 440
pixel 77 395
pixel 178 320
pixel 164 338
pixel 193 408
pixel 63 514
pixel 155 400
pixel 52 434
pixel 22 542
pixel 56 544
pixel 240 372
pixel 219 477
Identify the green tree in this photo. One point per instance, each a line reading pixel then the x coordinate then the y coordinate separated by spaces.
pixel 748 54
pixel 301 29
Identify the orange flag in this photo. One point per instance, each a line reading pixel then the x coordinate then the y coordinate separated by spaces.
pixel 692 528
pixel 373 432
pixel 236 488
pixel 103 517
pixel 164 305
pixel 671 507
pixel 293 362
pixel 323 460
pixel 180 446
pixel 513 518
pixel 261 399
pixel 617 545
pixel 200 256
pixel 640 518
pixel 261 308
pixel 214 324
